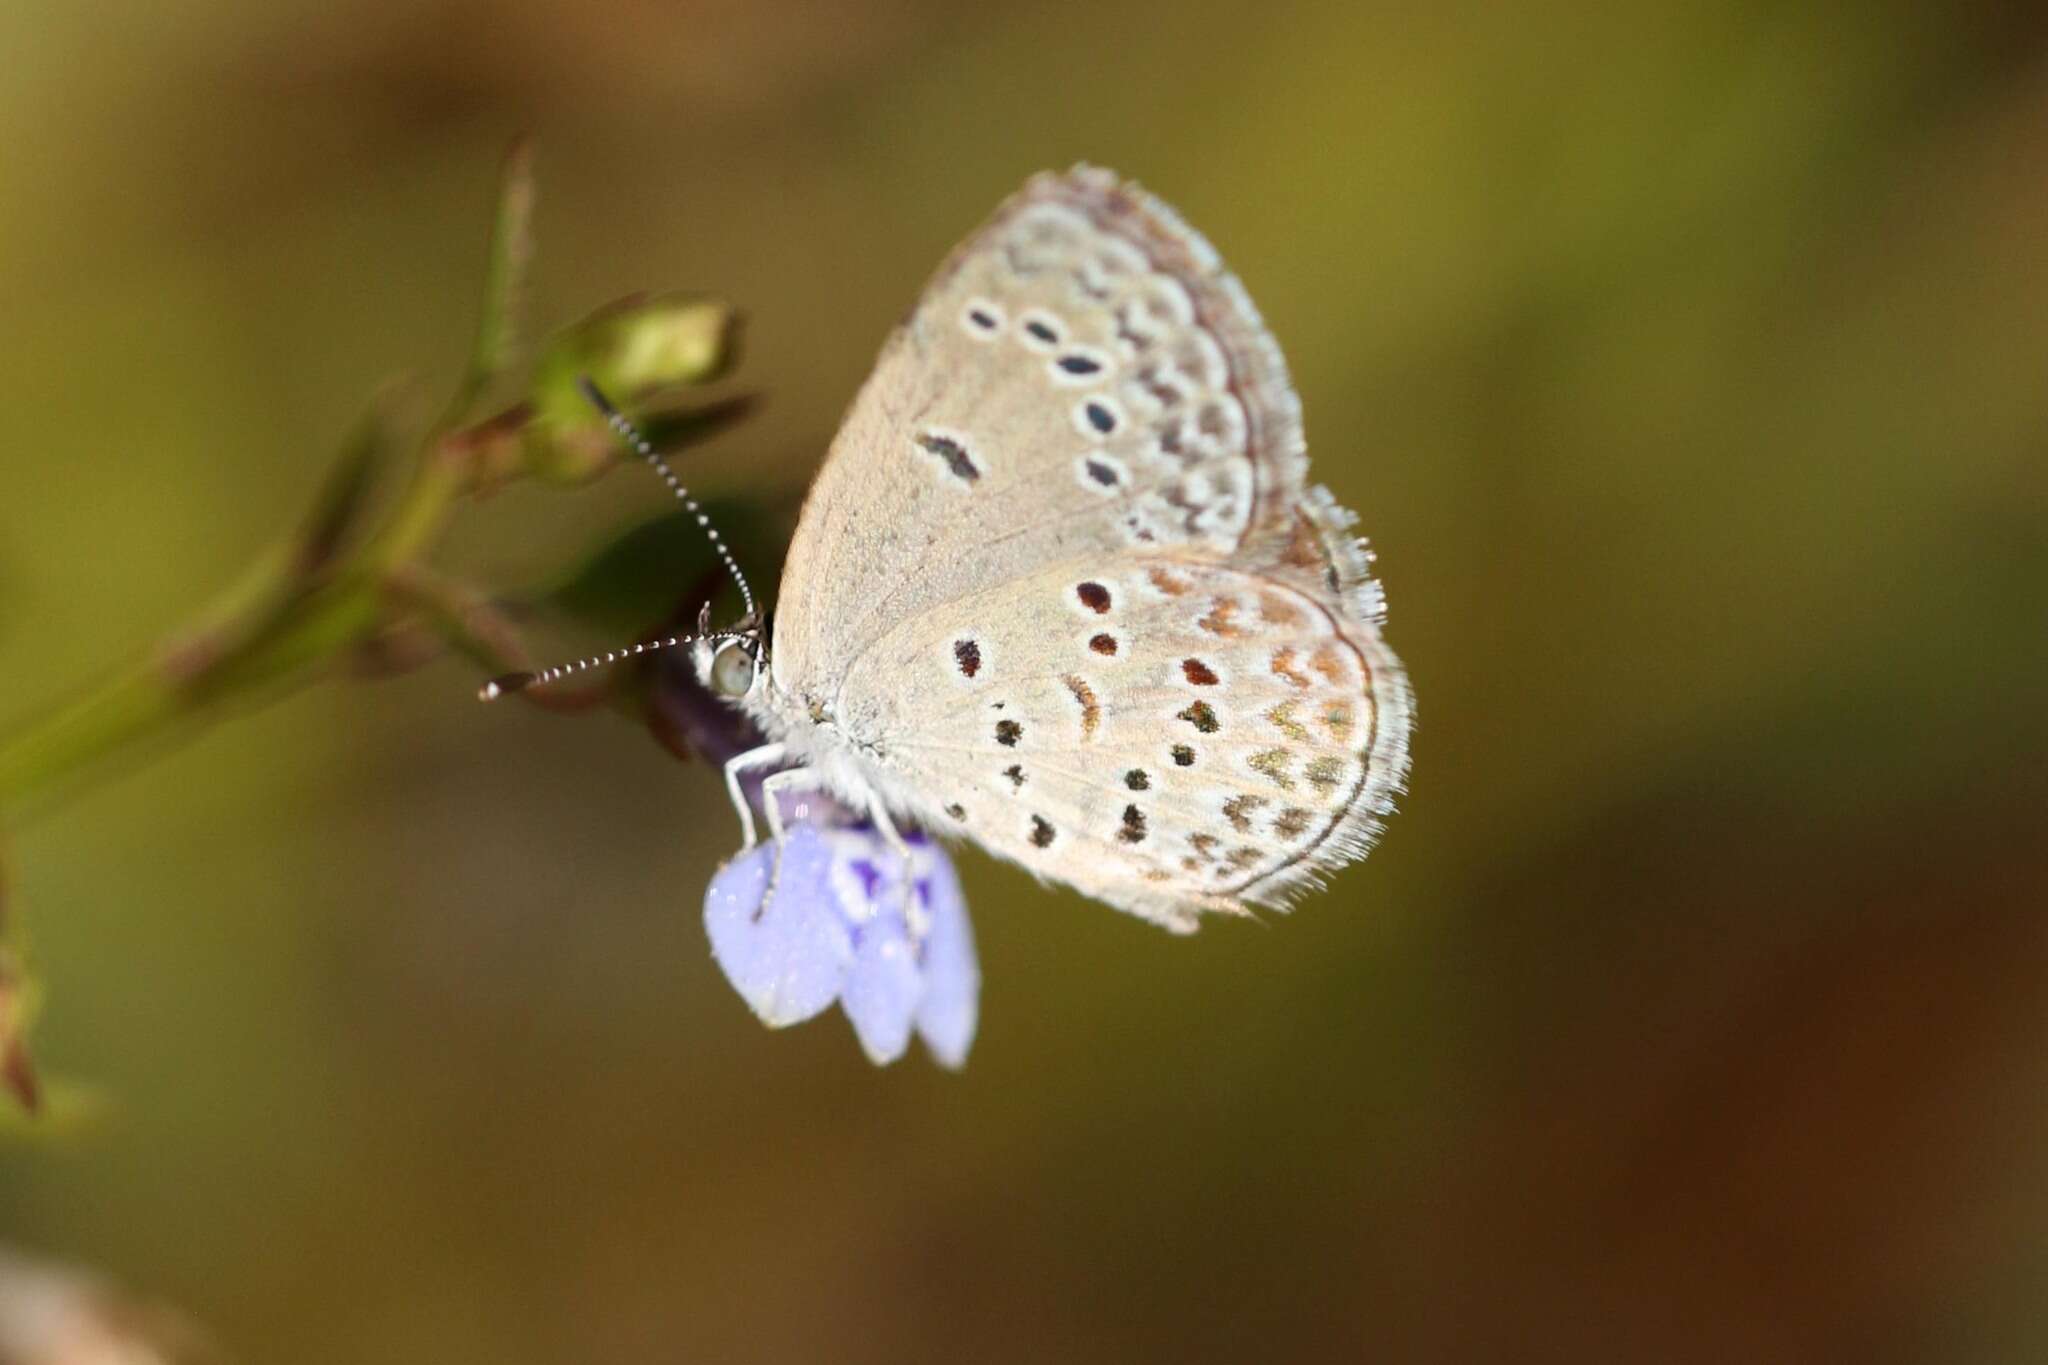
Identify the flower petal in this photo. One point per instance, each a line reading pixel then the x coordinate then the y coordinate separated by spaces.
pixel 947 1015
pixel 885 983
pixel 788 961
pixel 883 989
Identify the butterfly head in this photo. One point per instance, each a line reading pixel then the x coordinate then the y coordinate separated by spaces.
pixel 732 664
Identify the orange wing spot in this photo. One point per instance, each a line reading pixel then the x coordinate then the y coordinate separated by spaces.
pixel 1325 773
pixel 1328 662
pixel 1222 619
pixel 1091 710
pixel 1284 667
pixel 1272 765
pixel 1168 582
pixel 1338 718
pixel 1278 610
pixel 1283 720
pixel 1238 811
pixel 1305 548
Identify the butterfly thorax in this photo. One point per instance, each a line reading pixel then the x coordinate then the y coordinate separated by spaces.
pixel 843 747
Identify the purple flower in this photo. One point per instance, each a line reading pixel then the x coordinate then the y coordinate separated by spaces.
pixel 837 929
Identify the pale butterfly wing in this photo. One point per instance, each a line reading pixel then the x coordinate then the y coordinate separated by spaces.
pixel 976 451
pixel 1168 736
pixel 1084 435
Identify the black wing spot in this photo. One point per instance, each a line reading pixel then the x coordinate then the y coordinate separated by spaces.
pixel 1008 732
pixel 1137 780
pixel 1041 832
pixel 957 461
pixel 1134 826
pixel 968 654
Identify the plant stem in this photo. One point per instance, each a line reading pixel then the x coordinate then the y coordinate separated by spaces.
pixel 271 629
pixel 135 704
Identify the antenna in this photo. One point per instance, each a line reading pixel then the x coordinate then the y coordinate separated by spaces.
pixel 630 434
pixel 749 633
pixel 506 684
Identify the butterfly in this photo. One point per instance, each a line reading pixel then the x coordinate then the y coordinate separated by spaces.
pixel 1061 587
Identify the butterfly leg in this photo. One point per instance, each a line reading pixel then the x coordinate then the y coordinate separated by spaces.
pixel 915 919
pixel 772 787
pixel 767 755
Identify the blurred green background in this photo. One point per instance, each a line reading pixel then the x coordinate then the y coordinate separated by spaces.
pixel 1686 363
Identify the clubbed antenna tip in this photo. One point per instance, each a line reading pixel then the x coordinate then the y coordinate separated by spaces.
pixel 504 685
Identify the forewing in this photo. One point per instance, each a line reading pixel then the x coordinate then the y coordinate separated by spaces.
pixel 1080 375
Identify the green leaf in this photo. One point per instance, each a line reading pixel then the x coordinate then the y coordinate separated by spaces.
pixel 344 495
pixel 498 326
pixel 634 349
pixel 676 428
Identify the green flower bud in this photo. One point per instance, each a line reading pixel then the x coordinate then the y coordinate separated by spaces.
pixel 631 349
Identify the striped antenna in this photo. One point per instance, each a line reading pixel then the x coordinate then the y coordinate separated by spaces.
pixel 630 434
pixel 749 632
pixel 506 684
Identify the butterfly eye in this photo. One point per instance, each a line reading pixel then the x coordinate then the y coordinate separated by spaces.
pixel 732 672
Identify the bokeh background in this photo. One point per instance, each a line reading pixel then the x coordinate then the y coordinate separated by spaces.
pixel 1686 362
